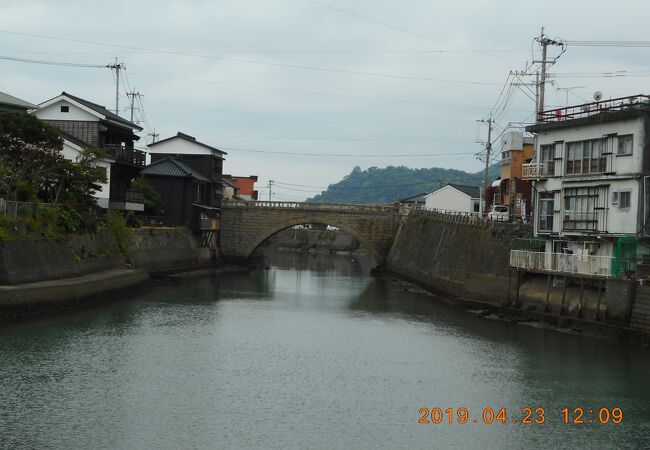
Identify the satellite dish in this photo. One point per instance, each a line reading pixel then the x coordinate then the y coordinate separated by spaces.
pixel 598 96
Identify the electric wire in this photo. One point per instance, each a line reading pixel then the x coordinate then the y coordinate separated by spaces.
pixel 265 63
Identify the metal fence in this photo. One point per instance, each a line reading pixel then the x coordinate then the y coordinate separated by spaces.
pixel 12 208
pixel 600 266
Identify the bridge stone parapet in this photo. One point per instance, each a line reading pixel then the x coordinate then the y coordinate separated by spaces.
pixel 245 225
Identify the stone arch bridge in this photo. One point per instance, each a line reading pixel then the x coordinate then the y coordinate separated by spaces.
pixel 245 225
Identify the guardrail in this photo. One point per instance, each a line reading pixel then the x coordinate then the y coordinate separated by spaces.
pixel 311 205
pixel 471 216
pixel 562 263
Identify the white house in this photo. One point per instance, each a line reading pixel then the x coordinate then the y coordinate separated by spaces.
pixel 591 173
pixel 72 150
pixel 85 124
pixel 454 197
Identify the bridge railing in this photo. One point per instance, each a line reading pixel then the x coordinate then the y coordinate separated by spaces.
pixel 312 205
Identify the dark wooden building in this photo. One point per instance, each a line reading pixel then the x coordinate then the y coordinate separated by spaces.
pixel 188 176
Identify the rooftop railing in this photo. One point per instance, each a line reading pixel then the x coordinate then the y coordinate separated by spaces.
pixel 590 109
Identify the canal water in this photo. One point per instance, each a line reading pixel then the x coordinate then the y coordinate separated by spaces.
pixel 308 352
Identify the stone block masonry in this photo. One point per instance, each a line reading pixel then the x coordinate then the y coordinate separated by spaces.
pixel 245 227
pixel 456 256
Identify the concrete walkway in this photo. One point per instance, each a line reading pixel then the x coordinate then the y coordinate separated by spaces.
pixel 68 292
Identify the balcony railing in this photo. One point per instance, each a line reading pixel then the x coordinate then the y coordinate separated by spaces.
pixel 126 195
pixel 125 155
pixel 538 170
pixel 562 263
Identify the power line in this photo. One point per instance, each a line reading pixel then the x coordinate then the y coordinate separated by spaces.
pixel 53 63
pixel 265 63
pixel 377 155
pixel 327 94
pixel 271 52
pixel 609 43
pixel 397 28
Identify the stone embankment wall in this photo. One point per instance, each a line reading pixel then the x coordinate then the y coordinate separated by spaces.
pixel 464 258
pixel 457 256
pixel 640 319
pixel 161 249
pixel 150 249
pixel 27 261
pixel 38 277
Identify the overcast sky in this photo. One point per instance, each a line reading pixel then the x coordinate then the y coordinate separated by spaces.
pixel 330 77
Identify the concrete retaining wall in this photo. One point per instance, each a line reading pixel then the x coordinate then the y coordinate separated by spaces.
pixel 456 256
pixel 161 249
pixel 24 261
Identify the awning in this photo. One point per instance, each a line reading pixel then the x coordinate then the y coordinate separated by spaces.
pixel 497 183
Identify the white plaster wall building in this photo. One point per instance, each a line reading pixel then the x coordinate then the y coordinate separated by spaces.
pixel 454 197
pixel 85 124
pixel 591 190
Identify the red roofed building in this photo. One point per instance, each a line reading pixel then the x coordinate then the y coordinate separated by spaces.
pixel 245 186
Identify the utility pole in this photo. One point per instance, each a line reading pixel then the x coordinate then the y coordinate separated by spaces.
pixel 488 149
pixel 544 41
pixel 131 96
pixel 117 67
pixel 270 189
pixel 154 136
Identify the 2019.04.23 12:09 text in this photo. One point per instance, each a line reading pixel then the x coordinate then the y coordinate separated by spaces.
pixel 527 415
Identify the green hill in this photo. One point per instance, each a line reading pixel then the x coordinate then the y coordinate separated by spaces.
pixel 375 185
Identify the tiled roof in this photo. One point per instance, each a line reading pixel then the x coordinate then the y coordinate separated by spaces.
pixel 415 198
pixel 191 139
pixel 171 167
pixel 7 99
pixel 103 111
pixel 472 191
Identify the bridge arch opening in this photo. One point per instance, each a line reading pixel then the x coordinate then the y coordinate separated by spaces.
pixel 323 236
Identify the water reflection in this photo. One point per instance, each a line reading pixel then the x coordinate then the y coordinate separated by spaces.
pixel 309 353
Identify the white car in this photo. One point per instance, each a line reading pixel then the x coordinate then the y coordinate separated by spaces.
pixel 500 213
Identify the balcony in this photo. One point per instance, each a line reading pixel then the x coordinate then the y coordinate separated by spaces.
pixel 126 199
pixel 538 170
pixel 561 263
pixel 125 155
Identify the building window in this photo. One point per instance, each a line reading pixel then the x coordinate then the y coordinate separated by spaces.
pixel 585 157
pixel 546 205
pixel 476 207
pixel 65 109
pixel 624 145
pixel 547 158
pixel 622 199
pixel 580 209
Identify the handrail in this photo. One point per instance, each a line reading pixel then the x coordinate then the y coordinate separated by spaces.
pixel 309 205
